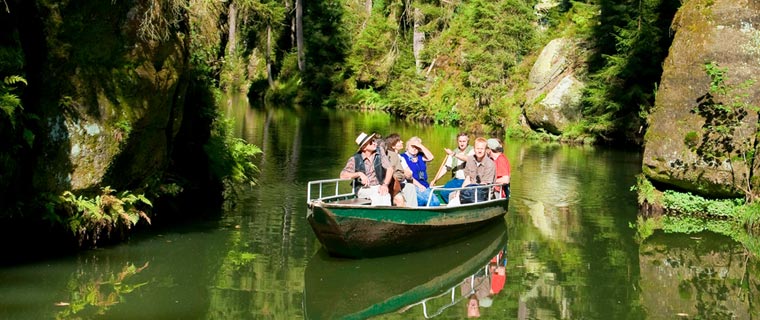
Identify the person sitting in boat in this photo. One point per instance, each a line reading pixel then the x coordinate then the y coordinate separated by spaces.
pixel 479 170
pixel 370 169
pixel 417 156
pixel 402 193
pixel 455 162
pixel 503 170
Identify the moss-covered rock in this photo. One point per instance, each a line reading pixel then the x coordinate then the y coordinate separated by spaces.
pixel 701 140
pixel 553 103
pixel 111 92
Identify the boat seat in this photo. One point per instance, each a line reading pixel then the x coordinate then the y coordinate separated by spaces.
pixel 355 201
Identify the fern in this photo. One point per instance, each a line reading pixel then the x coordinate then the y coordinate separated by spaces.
pixel 9 100
pixel 13 80
pixel 89 216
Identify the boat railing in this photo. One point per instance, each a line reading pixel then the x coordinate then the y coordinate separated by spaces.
pixel 327 189
pixel 493 192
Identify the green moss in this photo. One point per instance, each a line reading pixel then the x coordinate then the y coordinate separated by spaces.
pixel 691 140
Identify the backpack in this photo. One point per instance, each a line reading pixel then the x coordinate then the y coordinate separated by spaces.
pixel 468 195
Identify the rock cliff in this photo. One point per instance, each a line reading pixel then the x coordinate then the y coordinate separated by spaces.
pixel 701 139
pixel 111 92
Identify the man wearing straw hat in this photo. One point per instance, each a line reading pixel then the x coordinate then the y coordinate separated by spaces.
pixel 370 169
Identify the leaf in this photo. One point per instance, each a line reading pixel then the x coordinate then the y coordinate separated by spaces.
pixel 14 79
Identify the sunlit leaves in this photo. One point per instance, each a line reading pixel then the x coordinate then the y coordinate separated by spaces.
pixel 91 216
pixel 9 99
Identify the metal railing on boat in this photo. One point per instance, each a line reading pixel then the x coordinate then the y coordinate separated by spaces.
pixel 321 187
pixel 334 185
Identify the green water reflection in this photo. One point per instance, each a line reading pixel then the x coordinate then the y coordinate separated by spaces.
pixel 358 289
pixel 570 250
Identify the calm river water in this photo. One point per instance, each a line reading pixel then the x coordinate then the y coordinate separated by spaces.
pixel 567 245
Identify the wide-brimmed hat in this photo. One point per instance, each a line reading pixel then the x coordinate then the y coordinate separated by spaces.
pixel 363 139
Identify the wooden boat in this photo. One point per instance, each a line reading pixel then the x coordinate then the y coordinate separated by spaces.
pixel 351 227
pixel 427 281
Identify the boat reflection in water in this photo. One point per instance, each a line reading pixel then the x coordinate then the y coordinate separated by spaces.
pixel 424 282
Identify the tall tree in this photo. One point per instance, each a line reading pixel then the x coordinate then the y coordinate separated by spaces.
pixel 232 24
pixel 419 37
pixel 299 35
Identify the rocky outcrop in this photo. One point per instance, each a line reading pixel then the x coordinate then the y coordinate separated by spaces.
pixel 111 93
pixel 553 103
pixel 694 142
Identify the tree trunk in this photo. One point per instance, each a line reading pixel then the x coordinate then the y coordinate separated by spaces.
pixel 368 6
pixel 289 7
pixel 299 35
pixel 419 37
pixel 232 22
pixel 268 56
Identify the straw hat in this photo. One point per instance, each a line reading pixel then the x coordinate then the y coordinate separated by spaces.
pixel 363 139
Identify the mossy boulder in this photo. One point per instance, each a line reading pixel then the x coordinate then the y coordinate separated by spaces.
pixel 111 91
pixel 553 102
pixel 699 139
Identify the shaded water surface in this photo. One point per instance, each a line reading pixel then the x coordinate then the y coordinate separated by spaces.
pixel 566 246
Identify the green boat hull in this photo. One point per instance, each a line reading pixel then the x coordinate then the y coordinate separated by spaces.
pixel 361 231
pixel 337 288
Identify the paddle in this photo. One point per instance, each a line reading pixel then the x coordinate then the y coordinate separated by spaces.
pixel 441 171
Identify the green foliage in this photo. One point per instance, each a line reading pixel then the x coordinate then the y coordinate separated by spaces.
pixel 631 44
pixel 749 216
pixel 689 204
pixel 368 98
pixel 469 50
pixel 9 99
pixel 91 216
pixel 646 191
pixel 691 140
pixel 717 78
pixel 161 19
pixel 233 74
pixel 171 189
pixel 230 157
pixel 373 44
pixel 584 17
pixel 686 225
pixel 685 203
pixel 724 107
pixel 688 213
pixel 328 43
pixel 646 227
pixel 124 125
pixel 447 117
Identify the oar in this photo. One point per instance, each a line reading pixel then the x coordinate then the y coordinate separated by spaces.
pixel 441 170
